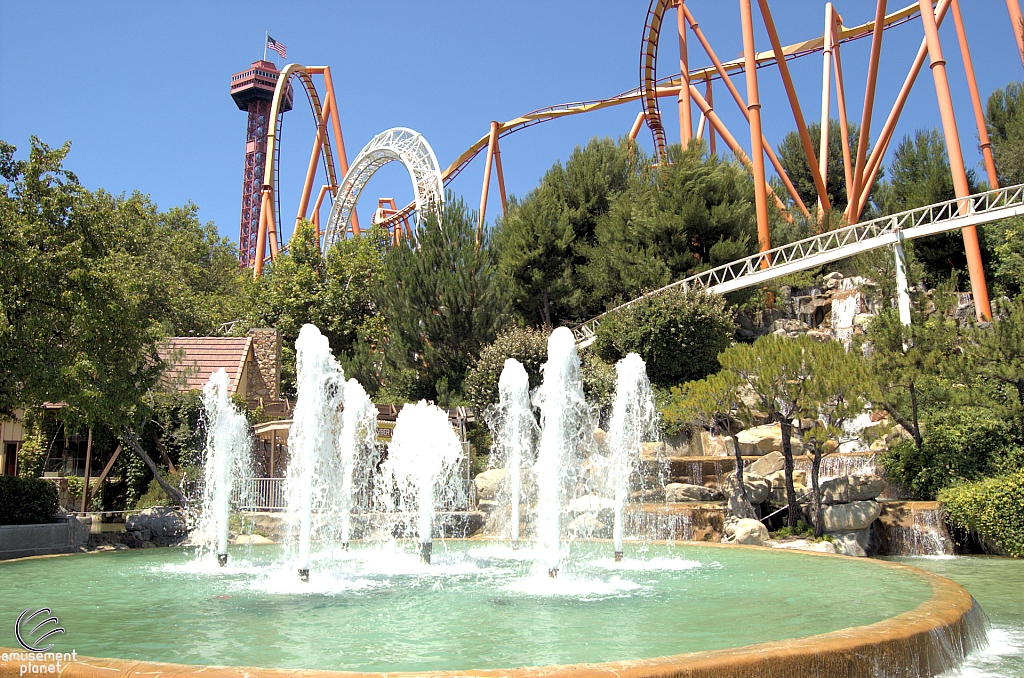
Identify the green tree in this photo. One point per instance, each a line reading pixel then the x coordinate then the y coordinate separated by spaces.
pixel 996 353
pixel 443 301
pixel 528 346
pixel 837 391
pixel 333 291
pixel 793 159
pixel 541 241
pixel 711 402
pixel 1006 131
pixel 779 371
pixel 919 175
pixel 678 333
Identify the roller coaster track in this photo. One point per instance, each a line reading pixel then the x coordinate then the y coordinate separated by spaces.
pixel 652 88
pixel 649 59
pixel 839 244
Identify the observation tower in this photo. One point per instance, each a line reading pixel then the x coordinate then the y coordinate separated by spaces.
pixel 253 92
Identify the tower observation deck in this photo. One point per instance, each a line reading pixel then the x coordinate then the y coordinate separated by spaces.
pixel 253 92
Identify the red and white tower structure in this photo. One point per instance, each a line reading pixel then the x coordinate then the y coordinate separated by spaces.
pixel 253 92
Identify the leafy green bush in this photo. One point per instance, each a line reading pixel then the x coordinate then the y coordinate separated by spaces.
pixel 527 345
pixel 27 501
pixel 155 496
pixel 960 444
pixel 992 508
pixel 679 335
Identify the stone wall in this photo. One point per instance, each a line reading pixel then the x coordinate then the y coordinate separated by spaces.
pixel 18 541
pixel 264 382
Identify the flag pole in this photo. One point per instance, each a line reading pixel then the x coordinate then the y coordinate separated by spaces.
pixel 266 39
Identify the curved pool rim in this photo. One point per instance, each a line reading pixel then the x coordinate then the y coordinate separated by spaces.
pixel 932 638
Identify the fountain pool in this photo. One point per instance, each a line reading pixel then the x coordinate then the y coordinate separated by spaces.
pixel 480 604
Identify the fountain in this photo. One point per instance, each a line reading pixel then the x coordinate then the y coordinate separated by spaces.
pixel 565 421
pixel 424 457
pixel 513 428
pixel 226 467
pixel 313 469
pixel 357 449
pixel 633 421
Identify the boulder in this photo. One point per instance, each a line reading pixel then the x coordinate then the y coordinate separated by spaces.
pixel 488 484
pixel 757 487
pixel 591 502
pixel 845 489
pixel 164 524
pixel 749 531
pixel 760 440
pixel 778 478
pixel 588 525
pixel 676 492
pixel 769 463
pixel 708 445
pixel 652 451
pixel 853 542
pixel 803 545
pixel 856 515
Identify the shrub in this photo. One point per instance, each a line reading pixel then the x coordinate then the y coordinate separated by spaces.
pixel 993 509
pixel 27 501
pixel 679 335
pixel 960 444
pixel 527 345
pixel 155 496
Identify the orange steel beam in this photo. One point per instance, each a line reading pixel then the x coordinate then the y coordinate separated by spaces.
pixel 972 83
pixel 685 121
pixel 869 102
pixel 734 146
pixel 501 176
pixel 794 102
pixel 754 107
pixel 314 159
pixel 316 208
pixel 874 164
pixel 738 98
pixel 826 92
pixel 637 124
pixel 1017 22
pixel 844 123
pixel 492 143
pixel 338 138
pixel 711 128
pixel 956 160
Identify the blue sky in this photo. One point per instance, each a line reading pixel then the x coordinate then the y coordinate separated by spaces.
pixel 141 89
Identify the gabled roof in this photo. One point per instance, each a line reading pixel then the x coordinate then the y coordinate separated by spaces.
pixel 202 356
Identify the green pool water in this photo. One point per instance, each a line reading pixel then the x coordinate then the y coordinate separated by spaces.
pixel 478 605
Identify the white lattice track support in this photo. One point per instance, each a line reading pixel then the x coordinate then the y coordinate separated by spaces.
pixel 841 243
pixel 397 144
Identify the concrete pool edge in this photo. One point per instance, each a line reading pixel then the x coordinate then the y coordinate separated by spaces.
pixel 925 641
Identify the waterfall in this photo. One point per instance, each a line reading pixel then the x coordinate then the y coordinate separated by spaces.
pixel 227 463
pixel 633 422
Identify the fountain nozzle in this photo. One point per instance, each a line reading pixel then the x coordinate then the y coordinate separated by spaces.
pixel 515 546
pixel 304 574
pixel 553 572
pixel 425 549
pixel 222 559
pixel 618 556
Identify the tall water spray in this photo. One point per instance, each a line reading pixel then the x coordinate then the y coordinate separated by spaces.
pixel 313 468
pixel 356 449
pixel 513 429
pixel 634 419
pixel 424 457
pixel 565 418
pixel 226 466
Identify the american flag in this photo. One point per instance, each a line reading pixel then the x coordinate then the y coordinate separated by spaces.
pixel 277 47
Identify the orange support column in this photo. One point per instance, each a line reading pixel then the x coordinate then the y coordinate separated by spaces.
pixel 1017 22
pixel 501 175
pixel 956 159
pixel 869 102
pixel 637 124
pixel 491 146
pixel 685 119
pixel 711 128
pixel 826 93
pixel 972 84
pixel 338 138
pixel 756 147
pixel 844 125
pixel 261 238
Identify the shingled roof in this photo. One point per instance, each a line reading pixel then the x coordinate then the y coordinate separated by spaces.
pixel 191 360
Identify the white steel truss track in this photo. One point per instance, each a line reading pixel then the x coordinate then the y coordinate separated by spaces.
pixel 839 244
pixel 397 144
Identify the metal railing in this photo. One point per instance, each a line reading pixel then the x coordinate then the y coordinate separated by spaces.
pixel 1001 203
